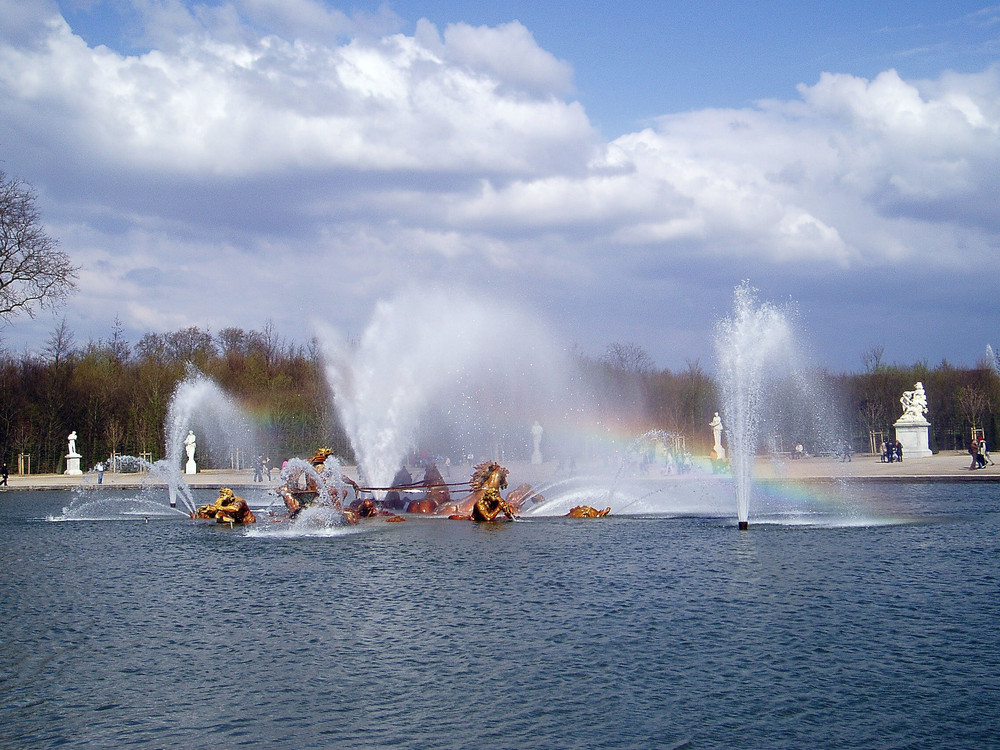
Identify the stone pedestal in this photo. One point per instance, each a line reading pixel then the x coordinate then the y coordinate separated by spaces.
pixel 913 436
pixel 191 467
pixel 73 464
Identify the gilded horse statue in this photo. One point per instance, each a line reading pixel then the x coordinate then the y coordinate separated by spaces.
pixel 229 508
pixel 484 503
pixel 487 481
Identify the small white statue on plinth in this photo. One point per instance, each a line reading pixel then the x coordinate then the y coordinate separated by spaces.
pixel 189 448
pixel 718 452
pixel 912 427
pixel 72 457
pixel 536 434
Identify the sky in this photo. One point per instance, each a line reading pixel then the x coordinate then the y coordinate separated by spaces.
pixel 615 169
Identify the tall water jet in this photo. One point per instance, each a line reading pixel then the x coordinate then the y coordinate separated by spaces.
pixel 198 403
pixel 750 346
pixel 432 360
pixel 993 359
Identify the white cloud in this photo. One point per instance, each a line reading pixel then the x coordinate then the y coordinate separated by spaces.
pixel 215 105
pixel 508 52
pixel 322 164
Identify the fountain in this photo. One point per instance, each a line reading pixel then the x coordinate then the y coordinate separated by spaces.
pixel 751 345
pixel 90 505
pixel 325 486
pixel 993 359
pixel 198 400
pixel 442 370
pixel 460 376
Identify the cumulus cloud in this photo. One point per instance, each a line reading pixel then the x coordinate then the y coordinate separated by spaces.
pixel 508 52
pixel 270 137
pixel 213 103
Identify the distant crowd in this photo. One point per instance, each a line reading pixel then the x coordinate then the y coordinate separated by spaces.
pixel 891 451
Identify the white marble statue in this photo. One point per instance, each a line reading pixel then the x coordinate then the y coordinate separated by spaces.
pixel 914 403
pixel 716 425
pixel 190 444
pixel 72 457
pixel 913 429
pixel 536 435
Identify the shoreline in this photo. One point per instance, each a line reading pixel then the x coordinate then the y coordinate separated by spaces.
pixel 951 466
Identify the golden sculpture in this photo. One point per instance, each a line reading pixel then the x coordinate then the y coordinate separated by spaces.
pixel 586 511
pixel 301 489
pixel 487 481
pixel 229 508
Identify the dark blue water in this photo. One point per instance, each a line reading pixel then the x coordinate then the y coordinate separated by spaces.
pixel 553 633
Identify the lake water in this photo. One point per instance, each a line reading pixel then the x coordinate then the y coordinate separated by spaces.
pixel 874 629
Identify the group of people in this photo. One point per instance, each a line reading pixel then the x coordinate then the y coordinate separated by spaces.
pixel 980 453
pixel 261 466
pixel 891 451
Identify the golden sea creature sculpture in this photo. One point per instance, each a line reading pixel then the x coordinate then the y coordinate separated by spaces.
pixel 586 511
pixel 229 508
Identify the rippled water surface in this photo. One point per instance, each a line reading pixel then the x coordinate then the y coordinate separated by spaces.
pixel 547 633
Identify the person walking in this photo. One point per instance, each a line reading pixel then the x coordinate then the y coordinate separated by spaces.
pixel 981 454
pixel 845 451
pixel 985 449
pixel 4 474
pixel 974 452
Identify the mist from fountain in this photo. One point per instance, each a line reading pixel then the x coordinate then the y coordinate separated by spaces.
pixel 754 348
pixel 444 369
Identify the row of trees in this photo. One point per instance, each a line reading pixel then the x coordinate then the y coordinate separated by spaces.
pixel 116 395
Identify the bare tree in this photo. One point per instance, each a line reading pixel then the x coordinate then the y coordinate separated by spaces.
pixel 34 273
pixel 973 404
pixel 871 358
pixel 628 357
pixel 60 344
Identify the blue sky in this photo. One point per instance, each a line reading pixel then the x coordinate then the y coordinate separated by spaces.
pixel 619 168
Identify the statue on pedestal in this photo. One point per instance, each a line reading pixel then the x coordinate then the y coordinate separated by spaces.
pixel 718 452
pixel 912 429
pixel 72 457
pixel 536 434
pixel 190 444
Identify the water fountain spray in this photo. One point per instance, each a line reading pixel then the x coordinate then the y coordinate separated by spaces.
pixel 484 369
pixel 198 402
pixel 750 345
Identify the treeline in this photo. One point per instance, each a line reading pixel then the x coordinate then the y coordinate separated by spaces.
pixel 116 396
pixel 818 409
